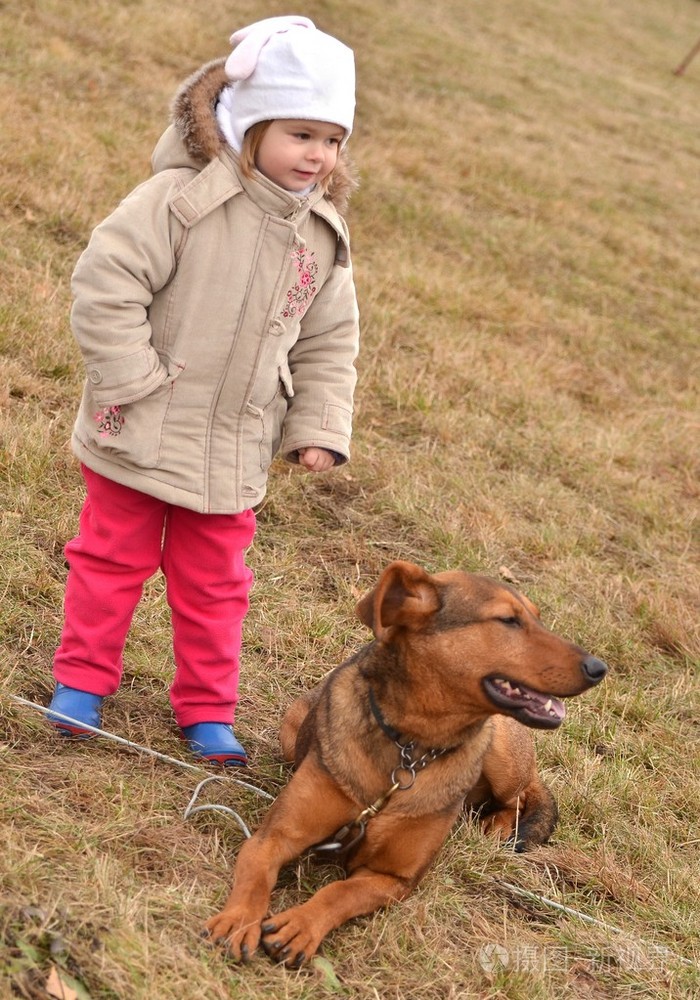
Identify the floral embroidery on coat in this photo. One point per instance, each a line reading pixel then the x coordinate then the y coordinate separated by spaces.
pixel 109 421
pixel 299 297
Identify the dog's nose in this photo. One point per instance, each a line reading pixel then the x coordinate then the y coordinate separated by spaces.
pixel 594 669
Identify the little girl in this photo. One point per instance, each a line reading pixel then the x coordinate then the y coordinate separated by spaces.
pixel 216 313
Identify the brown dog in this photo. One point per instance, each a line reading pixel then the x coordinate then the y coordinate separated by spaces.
pixel 390 745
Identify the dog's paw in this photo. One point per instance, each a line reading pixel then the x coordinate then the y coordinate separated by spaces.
pixel 290 938
pixel 235 931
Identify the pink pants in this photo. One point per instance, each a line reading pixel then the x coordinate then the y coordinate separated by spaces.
pixel 125 536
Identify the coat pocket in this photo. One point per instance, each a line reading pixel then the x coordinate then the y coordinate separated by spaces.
pixel 130 433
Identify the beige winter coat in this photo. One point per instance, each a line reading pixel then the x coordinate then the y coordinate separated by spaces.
pixel 218 322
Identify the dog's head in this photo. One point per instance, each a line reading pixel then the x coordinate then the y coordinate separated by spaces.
pixel 480 642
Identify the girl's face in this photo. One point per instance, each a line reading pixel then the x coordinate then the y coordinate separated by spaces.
pixel 295 153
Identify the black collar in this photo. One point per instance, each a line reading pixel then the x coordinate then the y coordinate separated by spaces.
pixel 392 733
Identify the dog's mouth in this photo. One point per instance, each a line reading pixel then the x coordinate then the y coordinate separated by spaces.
pixel 532 708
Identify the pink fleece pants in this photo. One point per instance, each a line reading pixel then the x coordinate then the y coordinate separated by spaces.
pixel 125 537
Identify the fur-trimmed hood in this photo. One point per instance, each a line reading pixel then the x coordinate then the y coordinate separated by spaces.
pixel 196 138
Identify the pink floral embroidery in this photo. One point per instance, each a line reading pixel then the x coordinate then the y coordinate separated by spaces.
pixel 299 297
pixel 109 421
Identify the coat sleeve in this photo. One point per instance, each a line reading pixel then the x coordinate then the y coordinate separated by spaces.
pixel 323 371
pixel 130 256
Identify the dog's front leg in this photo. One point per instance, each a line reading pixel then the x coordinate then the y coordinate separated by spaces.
pixel 389 865
pixel 309 809
pixel 238 924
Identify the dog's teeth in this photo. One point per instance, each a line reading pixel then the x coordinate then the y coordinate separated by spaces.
pixel 510 690
pixel 548 705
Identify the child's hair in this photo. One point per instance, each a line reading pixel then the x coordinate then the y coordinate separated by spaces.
pixel 251 145
pixel 249 151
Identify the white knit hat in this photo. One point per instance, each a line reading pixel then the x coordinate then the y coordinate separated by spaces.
pixel 284 67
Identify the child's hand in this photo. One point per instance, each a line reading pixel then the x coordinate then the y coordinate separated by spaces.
pixel 316 459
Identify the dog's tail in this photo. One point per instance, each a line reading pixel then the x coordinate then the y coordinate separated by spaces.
pixel 536 822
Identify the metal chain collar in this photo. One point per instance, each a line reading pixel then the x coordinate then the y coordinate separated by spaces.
pixel 351 834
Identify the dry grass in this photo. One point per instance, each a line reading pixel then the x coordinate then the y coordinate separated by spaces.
pixel 526 253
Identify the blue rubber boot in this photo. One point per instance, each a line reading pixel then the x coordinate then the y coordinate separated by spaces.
pixel 215 742
pixel 79 705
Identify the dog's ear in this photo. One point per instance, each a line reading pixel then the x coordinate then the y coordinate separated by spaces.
pixel 526 603
pixel 404 596
pixel 532 608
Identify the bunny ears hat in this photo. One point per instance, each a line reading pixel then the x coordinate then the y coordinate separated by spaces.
pixel 284 67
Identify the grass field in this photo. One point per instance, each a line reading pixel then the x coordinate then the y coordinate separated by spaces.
pixel 526 251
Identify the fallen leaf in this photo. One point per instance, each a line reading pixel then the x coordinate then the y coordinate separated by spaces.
pixel 326 973
pixel 507 574
pixel 57 987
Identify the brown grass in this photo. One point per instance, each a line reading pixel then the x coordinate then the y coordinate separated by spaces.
pixel 525 241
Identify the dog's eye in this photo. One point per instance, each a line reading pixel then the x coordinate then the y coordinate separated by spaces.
pixel 512 621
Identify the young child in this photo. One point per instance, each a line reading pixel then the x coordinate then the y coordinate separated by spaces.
pixel 216 313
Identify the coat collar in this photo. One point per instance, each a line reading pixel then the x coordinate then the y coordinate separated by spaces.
pixel 222 179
